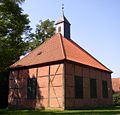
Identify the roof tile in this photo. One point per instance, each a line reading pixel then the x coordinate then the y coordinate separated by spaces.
pixel 116 84
pixel 59 48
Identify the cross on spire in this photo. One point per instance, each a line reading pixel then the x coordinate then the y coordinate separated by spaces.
pixel 63 9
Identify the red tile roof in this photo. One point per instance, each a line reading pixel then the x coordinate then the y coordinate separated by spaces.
pixel 59 48
pixel 116 84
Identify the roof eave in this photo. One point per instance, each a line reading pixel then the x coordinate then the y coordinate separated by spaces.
pixel 37 65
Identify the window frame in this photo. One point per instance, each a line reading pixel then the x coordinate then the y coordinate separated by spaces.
pixel 59 29
pixel 31 85
pixel 79 90
pixel 93 88
pixel 104 89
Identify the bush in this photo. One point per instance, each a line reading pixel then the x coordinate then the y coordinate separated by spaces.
pixel 116 99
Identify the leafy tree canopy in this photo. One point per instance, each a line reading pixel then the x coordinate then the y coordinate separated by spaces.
pixel 44 30
pixel 13 25
pixel 15 1
pixel 15 37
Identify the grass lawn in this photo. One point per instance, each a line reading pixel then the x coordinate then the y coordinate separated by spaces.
pixel 115 110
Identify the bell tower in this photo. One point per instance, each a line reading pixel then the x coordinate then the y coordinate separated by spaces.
pixel 63 25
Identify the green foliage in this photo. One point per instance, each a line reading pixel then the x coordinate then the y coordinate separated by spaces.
pixel 15 1
pixel 44 30
pixel 15 37
pixel 13 25
pixel 18 1
pixel 116 99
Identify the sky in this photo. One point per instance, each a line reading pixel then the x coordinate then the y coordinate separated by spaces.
pixel 95 25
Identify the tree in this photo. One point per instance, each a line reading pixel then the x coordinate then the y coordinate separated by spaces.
pixel 13 25
pixel 17 1
pixel 44 30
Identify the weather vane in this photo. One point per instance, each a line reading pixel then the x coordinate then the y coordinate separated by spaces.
pixel 63 9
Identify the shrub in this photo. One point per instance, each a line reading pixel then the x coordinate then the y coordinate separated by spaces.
pixel 116 99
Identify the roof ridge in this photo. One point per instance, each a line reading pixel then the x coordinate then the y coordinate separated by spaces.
pixel 88 54
pixel 62 45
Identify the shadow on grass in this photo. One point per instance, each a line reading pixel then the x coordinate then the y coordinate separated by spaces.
pixel 100 111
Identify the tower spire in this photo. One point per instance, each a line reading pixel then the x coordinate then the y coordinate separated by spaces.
pixel 63 25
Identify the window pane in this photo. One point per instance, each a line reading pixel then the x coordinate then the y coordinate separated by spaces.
pixel 31 88
pixel 93 88
pixel 78 87
pixel 104 89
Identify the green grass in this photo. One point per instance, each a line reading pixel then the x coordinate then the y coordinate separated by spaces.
pixel 115 110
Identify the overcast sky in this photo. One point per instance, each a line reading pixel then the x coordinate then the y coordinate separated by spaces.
pixel 95 25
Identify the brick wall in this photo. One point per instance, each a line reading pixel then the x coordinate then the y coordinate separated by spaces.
pixel 86 72
pixel 49 87
pixel 51 92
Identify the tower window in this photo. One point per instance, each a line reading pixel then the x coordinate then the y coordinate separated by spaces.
pixel 59 29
